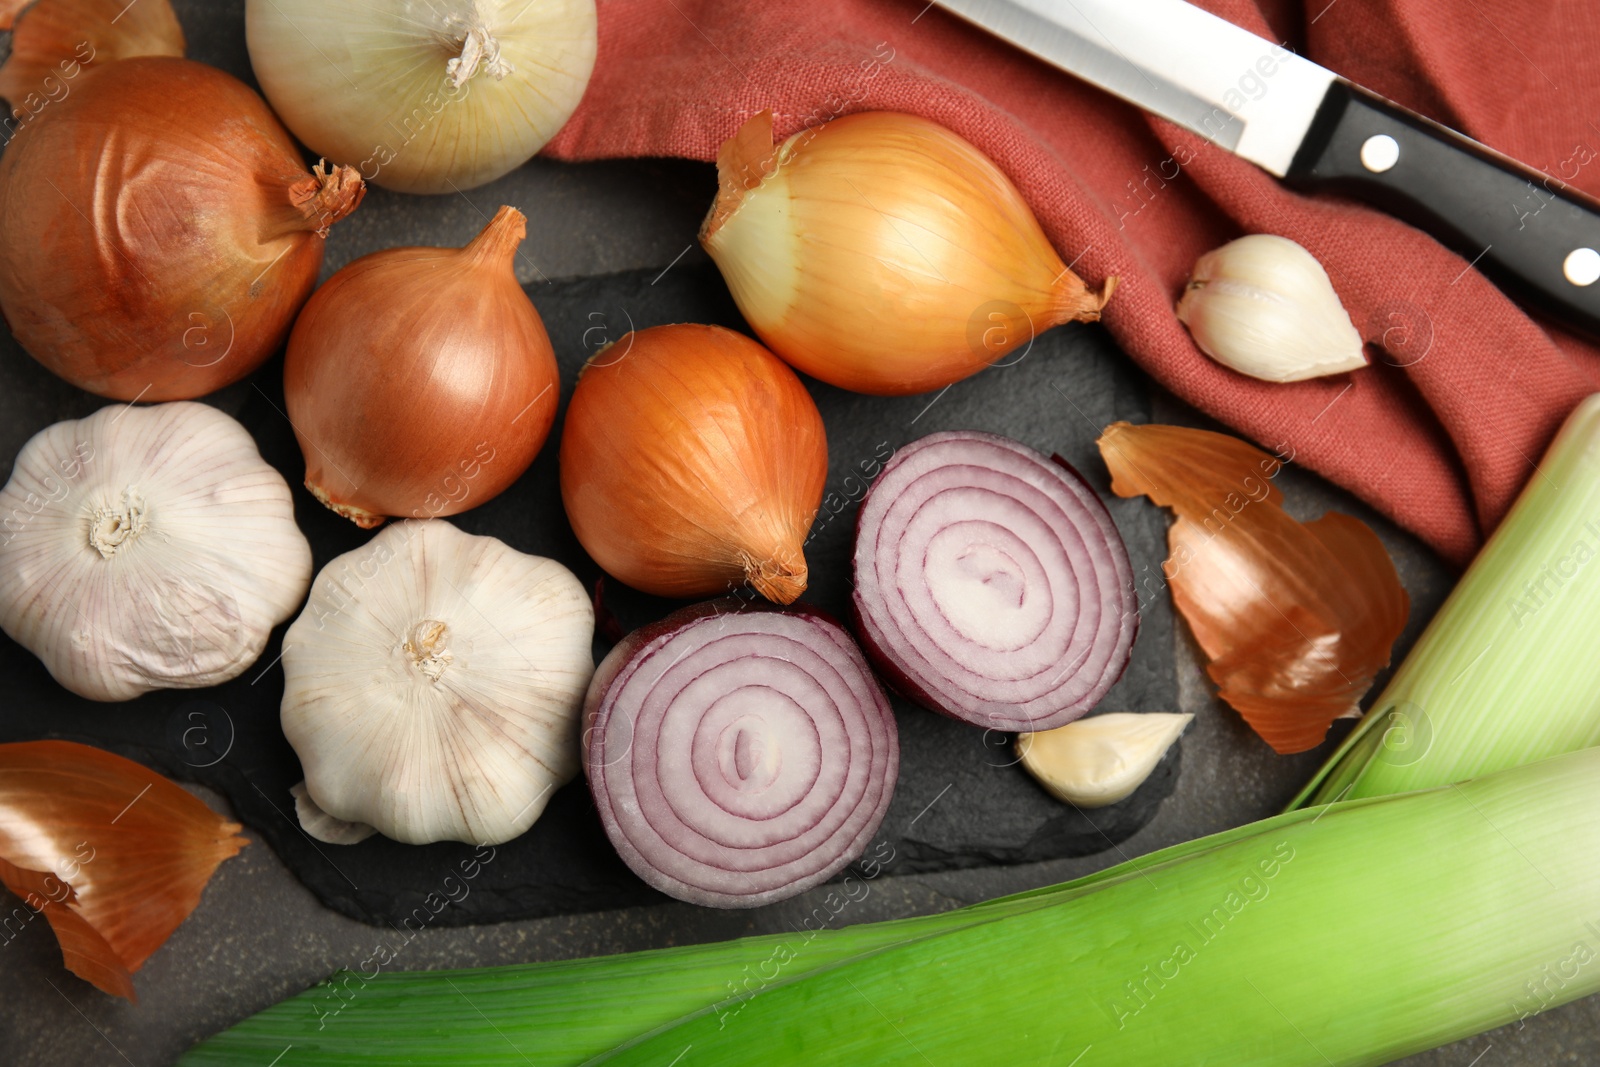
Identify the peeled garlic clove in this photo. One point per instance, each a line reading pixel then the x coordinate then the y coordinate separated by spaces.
pixel 432 687
pixel 1264 306
pixel 1102 759
pixel 147 548
pixel 882 253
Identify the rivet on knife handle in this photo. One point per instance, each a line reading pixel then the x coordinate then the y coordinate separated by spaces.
pixel 1537 238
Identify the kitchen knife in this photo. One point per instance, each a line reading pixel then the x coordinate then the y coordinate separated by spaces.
pixel 1538 238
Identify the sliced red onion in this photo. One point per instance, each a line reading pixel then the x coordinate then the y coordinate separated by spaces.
pixel 991 583
pixel 739 755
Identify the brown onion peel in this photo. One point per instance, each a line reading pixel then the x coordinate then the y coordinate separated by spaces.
pixel 1295 619
pixel 693 461
pixel 54 41
pixel 112 854
pixel 159 231
pixel 882 253
pixel 739 753
pixel 420 381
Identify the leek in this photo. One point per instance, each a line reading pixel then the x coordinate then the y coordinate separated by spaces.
pixel 1508 671
pixel 1354 933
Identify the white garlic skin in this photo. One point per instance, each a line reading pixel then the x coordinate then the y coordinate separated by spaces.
pixel 1264 306
pixel 147 548
pixel 1102 759
pixel 433 685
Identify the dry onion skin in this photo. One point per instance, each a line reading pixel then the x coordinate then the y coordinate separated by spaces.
pixel 53 41
pixel 1295 619
pixel 693 461
pixel 147 548
pixel 991 584
pixel 882 253
pixel 739 755
pixel 420 381
pixel 431 96
pixel 159 230
pixel 113 855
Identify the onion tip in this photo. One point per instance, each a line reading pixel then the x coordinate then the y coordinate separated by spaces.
pixel 499 240
pixel 327 195
pixel 744 161
pixel 779 580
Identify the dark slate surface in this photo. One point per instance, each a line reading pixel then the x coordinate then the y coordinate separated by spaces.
pixel 961 800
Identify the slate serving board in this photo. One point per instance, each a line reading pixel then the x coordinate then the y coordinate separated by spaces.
pixel 961 800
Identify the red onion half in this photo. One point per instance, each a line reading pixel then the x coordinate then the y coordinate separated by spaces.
pixel 991 583
pixel 739 755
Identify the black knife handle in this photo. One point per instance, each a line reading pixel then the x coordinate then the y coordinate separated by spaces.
pixel 1526 230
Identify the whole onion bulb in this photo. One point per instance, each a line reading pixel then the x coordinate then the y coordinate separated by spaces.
pixel 431 96
pixel 692 462
pixel 159 230
pixel 420 381
pixel 881 253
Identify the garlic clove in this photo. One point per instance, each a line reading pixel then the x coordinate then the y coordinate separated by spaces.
pixel 433 685
pixel 324 827
pixel 147 548
pixel 1102 759
pixel 1264 306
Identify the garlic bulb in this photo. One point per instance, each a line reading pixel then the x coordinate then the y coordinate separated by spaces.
pixel 1264 306
pixel 147 548
pixel 432 687
pixel 1102 759
pixel 431 96
pixel 882 253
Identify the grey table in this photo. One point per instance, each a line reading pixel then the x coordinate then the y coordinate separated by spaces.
pixel 259 936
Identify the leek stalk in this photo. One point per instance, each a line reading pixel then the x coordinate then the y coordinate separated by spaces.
pixel 1355 933
pixel 1508 671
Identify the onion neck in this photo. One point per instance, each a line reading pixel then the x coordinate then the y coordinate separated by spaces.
pixel 779 580
pixel 1073 301
pixel 325 196
pixel 479 51
pixel 497 245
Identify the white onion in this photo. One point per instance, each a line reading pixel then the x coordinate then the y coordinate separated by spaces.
pixel 423 96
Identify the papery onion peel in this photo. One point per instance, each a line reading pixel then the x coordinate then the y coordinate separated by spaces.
pixel 112 854
pixel 1294 618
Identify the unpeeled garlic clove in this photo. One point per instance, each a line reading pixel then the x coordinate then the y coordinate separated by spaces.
pixel 1102 759
pixel 1263 306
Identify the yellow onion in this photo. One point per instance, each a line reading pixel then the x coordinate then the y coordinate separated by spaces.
pixel 884 254
pixel 420 381
pixel 693 461
pixel 158 227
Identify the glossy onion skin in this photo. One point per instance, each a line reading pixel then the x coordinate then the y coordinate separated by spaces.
pixel 170 258
pixel 1036 585
pixel 884 254
pixel 693 460
pixel 682 808
pixel 421 381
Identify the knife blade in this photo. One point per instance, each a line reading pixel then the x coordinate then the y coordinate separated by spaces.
pixel 1537 237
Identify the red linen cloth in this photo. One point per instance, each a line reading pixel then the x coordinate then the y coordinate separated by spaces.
pixel 1445 427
